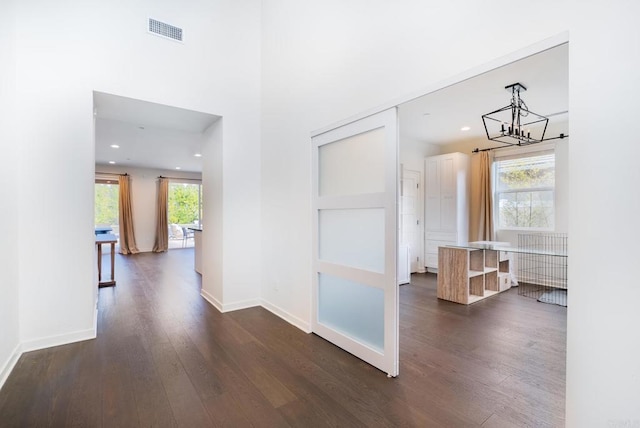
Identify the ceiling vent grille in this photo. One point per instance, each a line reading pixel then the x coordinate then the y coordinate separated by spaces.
pixel 165 30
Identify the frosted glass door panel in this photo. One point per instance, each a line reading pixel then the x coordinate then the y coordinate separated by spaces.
pixel 355 224
pixel 354 309
pixel 354 165
pixel 352 237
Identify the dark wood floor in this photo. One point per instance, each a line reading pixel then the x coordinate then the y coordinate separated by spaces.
pixel 165 357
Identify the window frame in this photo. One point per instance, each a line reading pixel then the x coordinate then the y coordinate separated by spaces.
pixel 522 154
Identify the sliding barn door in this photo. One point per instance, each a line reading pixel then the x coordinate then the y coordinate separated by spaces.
pixel 355 187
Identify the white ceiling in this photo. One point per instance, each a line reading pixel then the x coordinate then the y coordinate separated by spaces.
pixel 149 135
pixel 437 118
pixel 158 136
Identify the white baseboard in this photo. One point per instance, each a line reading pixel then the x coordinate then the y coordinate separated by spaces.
pixel 8 366
pixel 45 342
pixel 288 317
pixel 242 304
pixel 62 339
pixel 229 307
pixel 212 300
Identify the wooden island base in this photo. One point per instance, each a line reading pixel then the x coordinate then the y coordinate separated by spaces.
pixel 468 275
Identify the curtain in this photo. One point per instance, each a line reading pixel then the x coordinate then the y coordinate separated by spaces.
pixel 127 237
pixel 481 218
pixel 162 224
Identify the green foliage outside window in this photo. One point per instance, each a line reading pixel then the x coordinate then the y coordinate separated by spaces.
pixel 106 204
pixel 526 192
pixel 183 203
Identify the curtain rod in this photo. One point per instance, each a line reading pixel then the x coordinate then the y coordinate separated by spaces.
pixel 477 150
pixel 111 173
pixel 559 137
pixel 180 178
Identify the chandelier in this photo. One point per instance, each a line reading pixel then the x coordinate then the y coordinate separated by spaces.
pixel 515 124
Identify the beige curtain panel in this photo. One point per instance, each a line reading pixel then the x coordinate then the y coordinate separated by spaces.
pixel 481 218
pixel 162 224
pixel 127 237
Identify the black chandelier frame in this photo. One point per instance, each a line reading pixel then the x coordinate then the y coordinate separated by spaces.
pixel 517 130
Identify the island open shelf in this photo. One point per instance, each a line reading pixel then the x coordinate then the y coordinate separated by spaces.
pixel 468 275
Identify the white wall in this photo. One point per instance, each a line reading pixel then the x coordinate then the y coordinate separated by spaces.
pixel 603 349
pixel 10 197
pixel 212 212
pixel 62 56
pixel 144 194
pixel 335 59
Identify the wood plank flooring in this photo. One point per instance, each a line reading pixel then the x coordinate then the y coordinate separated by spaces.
pixel 165 357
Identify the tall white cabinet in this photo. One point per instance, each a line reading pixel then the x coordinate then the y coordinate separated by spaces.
pixel 446 204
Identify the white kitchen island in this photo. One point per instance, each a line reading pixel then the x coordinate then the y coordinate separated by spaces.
pixel 197 250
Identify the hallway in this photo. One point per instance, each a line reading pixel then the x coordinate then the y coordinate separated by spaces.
pixel 165 357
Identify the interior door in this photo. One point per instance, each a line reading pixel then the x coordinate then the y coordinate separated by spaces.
pixel 410 227
pixel 355 242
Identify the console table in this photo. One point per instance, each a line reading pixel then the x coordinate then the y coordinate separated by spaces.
pixel 472 272
pixel 106 238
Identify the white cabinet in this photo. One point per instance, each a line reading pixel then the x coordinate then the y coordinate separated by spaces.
pixel 446 206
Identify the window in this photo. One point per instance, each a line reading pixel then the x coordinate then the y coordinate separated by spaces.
pixel 524 191
pixel 184 211
pixel 106 204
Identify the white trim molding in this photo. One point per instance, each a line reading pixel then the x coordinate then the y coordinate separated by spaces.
pixel 242 304
pixel 62 339
pixel 7 368
pixel 287 316
pixel 211 299
pixel 228 307
pixel 42 343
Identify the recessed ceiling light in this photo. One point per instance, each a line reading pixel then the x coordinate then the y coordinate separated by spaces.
pixel 177 167
pixel 112 162
pixel 115 146
pixel 198 155
pixel 465 128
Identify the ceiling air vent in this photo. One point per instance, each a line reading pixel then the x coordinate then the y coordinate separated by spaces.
pixel 165 30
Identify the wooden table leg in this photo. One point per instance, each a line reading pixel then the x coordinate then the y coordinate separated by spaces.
pixel 106 239
pixel 113 262
pixel 99 263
